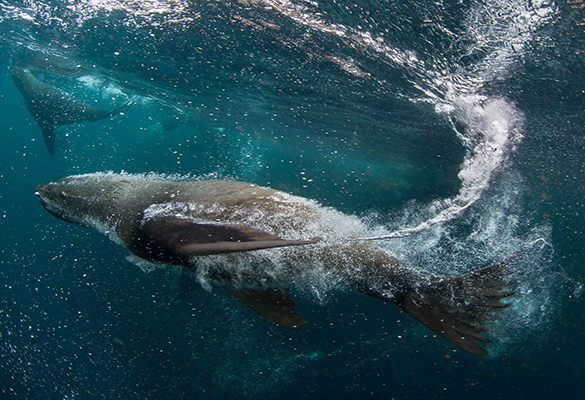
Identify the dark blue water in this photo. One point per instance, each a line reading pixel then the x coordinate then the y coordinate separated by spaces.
pixel 456 127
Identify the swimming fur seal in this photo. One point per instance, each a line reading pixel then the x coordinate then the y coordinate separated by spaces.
pixel 257 241
pixel 50 106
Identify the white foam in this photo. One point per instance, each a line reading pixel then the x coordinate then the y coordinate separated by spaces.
pixel 499 31
pixel 144 265
pixel 493 129
pixel 147 176
pixel 175 11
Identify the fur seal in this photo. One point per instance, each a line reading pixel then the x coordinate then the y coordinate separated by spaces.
pixel 50 106
pixel 258 241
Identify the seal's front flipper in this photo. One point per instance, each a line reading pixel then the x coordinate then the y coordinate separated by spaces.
pixel 458 308
pixel 48 131
pixel 275 305
pixel 166 238
pixel 101 114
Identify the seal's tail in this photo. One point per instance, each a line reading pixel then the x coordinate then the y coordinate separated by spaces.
pixel 457 308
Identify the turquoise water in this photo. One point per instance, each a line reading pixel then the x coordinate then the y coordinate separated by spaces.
pixel 455 128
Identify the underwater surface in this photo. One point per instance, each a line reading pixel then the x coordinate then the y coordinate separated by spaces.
pixel 452 130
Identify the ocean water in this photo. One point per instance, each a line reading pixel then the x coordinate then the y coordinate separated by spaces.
pixel 453 130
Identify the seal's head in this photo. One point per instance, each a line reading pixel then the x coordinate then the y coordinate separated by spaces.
pixel 75 199
pixel 20 76
pixel 60 201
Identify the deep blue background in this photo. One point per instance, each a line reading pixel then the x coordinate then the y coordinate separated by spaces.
pixel 249 91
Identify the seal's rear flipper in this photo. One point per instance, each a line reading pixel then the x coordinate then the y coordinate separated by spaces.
pixel 457 308
pixel 275 305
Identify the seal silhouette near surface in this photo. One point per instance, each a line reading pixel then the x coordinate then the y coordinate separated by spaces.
pixel 257 242
pixel 50 106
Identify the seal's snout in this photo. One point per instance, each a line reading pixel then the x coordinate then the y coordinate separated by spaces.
pixel 40 190
pixel 43 194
